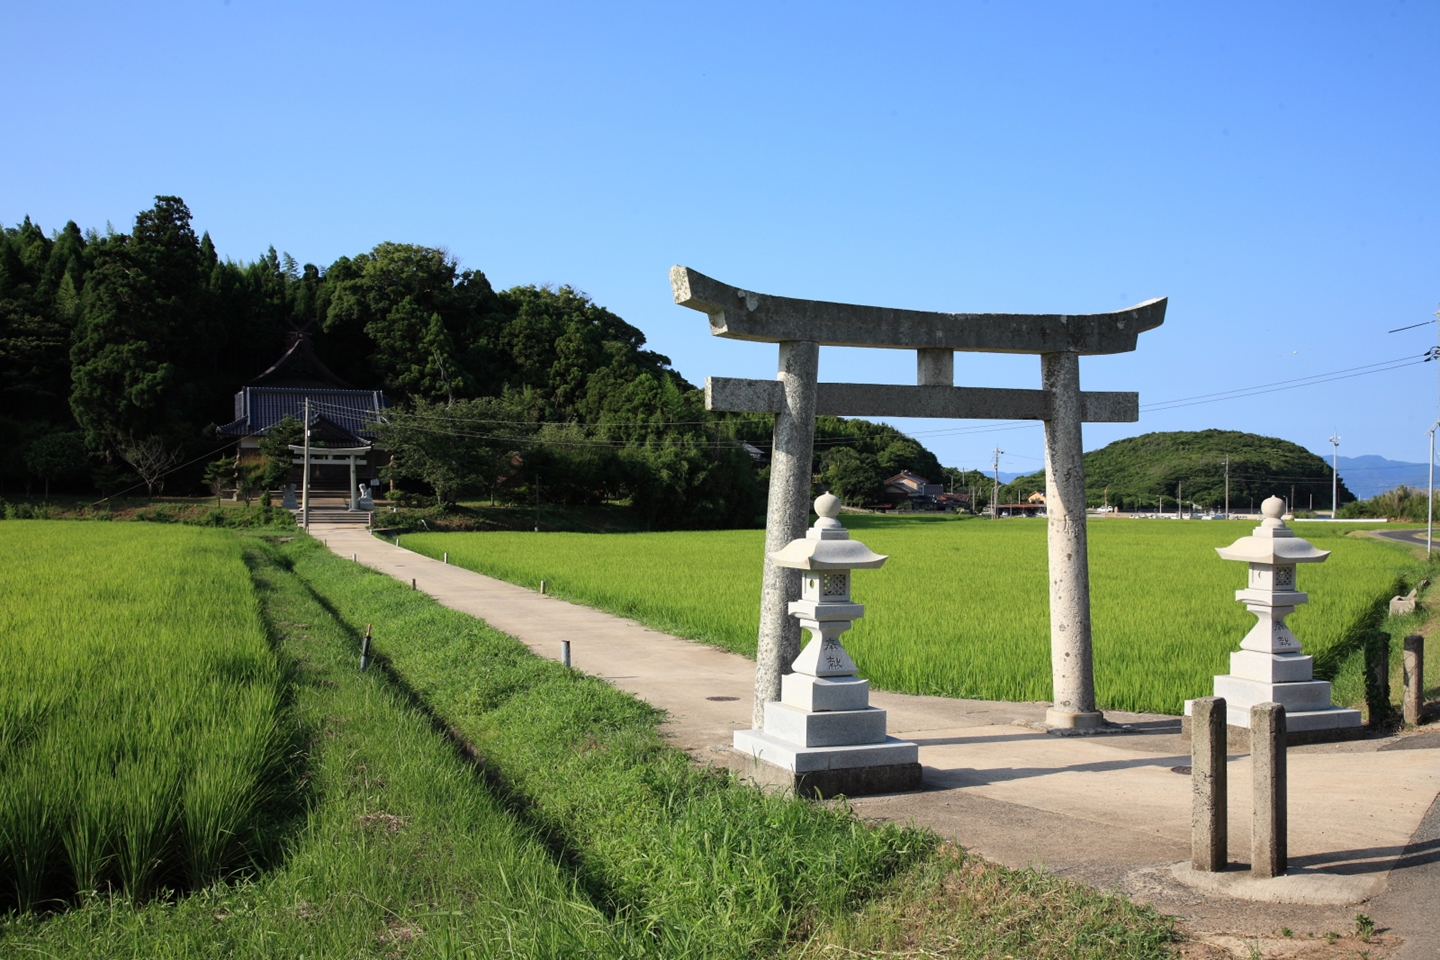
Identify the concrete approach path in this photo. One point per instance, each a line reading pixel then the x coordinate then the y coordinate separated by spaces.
pixel 1111 811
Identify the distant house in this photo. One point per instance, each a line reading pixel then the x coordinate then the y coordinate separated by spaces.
pixel 1036 497
pixel 341 417
pixel 921 493
pixel 953 502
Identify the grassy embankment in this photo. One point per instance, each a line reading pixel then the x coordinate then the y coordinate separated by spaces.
pixel 960 610
pixel 469 799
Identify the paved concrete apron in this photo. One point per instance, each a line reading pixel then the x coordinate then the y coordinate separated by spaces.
pixel 1106 809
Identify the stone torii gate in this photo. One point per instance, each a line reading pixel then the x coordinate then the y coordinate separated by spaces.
pixel 796 396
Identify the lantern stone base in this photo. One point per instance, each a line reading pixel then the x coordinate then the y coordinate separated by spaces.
pixel 887 766
pixel 1237 739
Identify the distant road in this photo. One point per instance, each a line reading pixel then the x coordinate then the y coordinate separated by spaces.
pixel 1402 536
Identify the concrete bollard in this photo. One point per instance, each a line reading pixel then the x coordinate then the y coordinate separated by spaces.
pixel 1377 677
pixel 447 558
pixel 412 584
pixel 542 588
pixel 355 557
pixel 1414 678
pixel 565 652
pixel 1209 821
pixel 1269 855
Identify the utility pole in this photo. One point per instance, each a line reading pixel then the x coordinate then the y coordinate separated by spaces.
pixel 1335 475
pixel 1430 500
pixel 305 477
pixel 1179 498
pixel 1227 487
pixel 995 500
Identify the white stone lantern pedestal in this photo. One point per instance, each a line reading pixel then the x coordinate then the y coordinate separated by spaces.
pixel 822 732
pixel 1270 666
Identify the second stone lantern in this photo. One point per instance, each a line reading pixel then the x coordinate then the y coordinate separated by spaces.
pixel 1270 665
pixel 822 732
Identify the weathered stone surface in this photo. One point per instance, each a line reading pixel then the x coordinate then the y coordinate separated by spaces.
pixel 790 756
pixel 1071 667
pixel 1287 668
pixel 935 368
pixel 1414 678
pixel 736 395
pixel 824 693
pixel 787 510
pixel 1269 828
pixel 746 315
pixel 1209 785
pixel 830 728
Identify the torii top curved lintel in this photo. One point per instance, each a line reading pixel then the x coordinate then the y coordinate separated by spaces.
pixel 745 315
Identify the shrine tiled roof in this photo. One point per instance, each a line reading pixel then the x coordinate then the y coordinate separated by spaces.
pixel 257 409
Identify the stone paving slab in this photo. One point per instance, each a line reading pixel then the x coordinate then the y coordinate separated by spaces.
pixel 1106 810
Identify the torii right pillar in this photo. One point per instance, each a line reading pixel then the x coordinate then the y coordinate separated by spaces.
pixel 1071 663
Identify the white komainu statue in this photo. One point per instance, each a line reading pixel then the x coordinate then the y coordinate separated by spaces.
pixel 365 503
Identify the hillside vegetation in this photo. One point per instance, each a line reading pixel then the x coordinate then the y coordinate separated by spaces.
pixel 1139 471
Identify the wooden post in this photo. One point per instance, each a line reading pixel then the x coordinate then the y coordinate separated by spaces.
pixel 1268 828
pixel 1414 677
pixel 1209 820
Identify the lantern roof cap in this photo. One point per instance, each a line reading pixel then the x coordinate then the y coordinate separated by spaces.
pixel 1272 541
pixel 827 545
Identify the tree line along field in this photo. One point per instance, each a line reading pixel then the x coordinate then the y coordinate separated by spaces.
pixel 192 766
pixel 961 608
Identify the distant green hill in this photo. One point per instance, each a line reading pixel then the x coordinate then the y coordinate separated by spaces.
pixel 1142 469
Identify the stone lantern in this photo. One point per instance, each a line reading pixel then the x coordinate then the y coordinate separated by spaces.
pixel 822 732
pixel 1269 666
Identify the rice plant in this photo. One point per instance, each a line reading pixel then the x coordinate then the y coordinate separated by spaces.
pixel 138 710
pixel 961 609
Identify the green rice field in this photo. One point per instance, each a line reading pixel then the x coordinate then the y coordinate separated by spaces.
pixel 961 608
pixel 138 711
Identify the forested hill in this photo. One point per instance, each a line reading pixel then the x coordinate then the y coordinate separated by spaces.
pixel 117 341
pixel 1140 470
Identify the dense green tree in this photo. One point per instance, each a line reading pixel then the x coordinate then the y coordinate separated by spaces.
pixel 57 456
pixel 856 478
pixel 142 331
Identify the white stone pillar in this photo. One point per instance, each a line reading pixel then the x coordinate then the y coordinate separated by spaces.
pixel 786 516
pixel 354 489
pixel 1071 669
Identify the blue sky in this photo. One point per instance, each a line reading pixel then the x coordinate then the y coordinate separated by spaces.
pixel 1272 169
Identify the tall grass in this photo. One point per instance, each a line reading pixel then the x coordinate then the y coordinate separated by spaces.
pixel 138 709
pixel 961 608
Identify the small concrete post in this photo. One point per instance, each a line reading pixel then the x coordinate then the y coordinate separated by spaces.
pixel 1268 828
pixel 565 652
pixel 1209 820
pixel 447 558
pixel 786 516
pixel 1377 680
pixel 412 584
pixel 542 588
pixel 355 557
pixel 1072 672
pixel 1414 677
